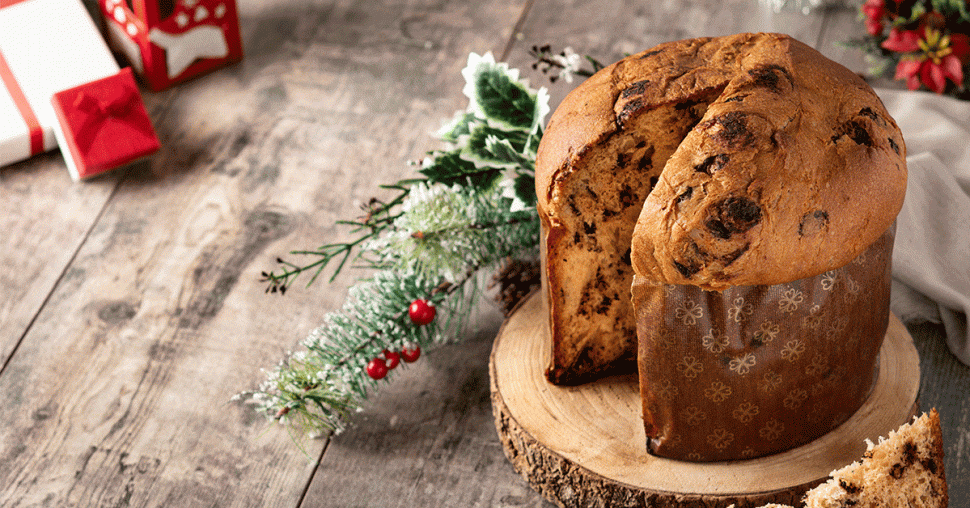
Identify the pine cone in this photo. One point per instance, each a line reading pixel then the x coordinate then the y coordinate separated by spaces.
pixel 516 279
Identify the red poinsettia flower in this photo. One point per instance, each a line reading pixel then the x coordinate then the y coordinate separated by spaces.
pixel 874 10
pixel 902 41
pixel 930 59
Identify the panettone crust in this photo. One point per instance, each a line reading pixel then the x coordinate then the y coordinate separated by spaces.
pixel 794 170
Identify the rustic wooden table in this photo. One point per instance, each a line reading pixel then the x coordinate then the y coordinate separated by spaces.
pixel 132 307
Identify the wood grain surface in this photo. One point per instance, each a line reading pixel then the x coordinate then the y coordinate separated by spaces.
pixel 132 311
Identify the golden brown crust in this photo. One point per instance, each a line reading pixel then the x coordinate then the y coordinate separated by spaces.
pixel 794 170
pixel 596 164
pixel 795 144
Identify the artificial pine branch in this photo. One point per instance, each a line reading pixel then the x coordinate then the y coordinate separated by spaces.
pixel 472 209
pixel 378 218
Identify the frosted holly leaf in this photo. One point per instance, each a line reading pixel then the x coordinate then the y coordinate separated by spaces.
pixel 488 145
pixel 520 188
pixel 451 168
pixel 497 94
pixel 459 126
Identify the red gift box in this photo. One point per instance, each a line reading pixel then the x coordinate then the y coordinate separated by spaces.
pixel 103 125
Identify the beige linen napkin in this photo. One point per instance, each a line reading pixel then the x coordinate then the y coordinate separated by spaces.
pixel 931 260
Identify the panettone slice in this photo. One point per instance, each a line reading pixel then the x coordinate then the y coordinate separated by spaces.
pixel 904 469
pixel 603 151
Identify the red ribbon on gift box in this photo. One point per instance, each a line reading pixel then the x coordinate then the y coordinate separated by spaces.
pixel 99 112
pixel 103 124
pixel 20 100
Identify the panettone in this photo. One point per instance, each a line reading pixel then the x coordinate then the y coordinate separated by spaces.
pixel 751 185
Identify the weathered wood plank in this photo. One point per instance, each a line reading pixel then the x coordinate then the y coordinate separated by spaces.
pixel 945 386
pixel 428 438
pixel 44 218
pixel 118 393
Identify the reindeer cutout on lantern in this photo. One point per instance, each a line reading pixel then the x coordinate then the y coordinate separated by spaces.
pixel 171 41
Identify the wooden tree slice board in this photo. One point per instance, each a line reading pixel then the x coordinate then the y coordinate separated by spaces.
pixel 585 445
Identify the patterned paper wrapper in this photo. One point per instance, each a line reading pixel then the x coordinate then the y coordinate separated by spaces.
pixel 756 370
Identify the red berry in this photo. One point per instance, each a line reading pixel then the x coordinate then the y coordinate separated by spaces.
pixel 411 353
pixel 391 358
pixel 377 368
pixel 421 312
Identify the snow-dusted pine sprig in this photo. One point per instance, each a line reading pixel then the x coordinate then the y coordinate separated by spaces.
pixel 472 208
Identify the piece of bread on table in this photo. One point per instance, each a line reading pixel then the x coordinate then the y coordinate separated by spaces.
pixel 903 470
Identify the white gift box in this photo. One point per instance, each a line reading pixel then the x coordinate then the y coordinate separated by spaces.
pixel 45 46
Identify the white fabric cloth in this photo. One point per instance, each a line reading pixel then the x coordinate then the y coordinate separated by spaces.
pixel 931 258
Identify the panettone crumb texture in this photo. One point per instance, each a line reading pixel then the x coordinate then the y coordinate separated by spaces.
pixel 905 470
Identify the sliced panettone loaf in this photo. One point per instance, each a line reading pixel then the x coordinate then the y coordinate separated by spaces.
pixel 722 138
pixel 904 470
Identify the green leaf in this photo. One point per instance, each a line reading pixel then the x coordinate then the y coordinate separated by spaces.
pixel 450 168
pixel 525 189
pixel 496 92
pixel 948 7
pixel 597 65
pixel 917 12
pixel 504 99
pixel 488 145
pixel 459 126
pixel 960 6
